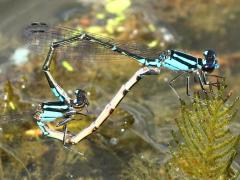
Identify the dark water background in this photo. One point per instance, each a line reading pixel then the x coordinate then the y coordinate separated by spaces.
pixel 141 127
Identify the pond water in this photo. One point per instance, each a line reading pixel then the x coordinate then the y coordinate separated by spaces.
pixel 141 127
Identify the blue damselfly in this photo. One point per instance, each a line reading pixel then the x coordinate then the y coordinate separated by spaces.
pixel 66 107
pixel 174 60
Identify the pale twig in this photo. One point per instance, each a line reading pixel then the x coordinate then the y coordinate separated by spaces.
pixel 109 108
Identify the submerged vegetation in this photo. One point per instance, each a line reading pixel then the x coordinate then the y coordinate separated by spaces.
pixel 206 147
pixel 136 141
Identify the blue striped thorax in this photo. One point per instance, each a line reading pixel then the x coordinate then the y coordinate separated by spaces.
pixel 180 61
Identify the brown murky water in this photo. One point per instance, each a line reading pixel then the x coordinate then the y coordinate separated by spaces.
pixel 140 128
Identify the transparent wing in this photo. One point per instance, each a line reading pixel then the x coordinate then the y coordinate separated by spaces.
pixel 134 47
pixel 40 36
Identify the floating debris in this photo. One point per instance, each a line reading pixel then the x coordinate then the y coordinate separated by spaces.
pixel 20 56
pixel 67 66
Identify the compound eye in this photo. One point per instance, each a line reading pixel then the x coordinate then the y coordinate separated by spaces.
pixel 210 55
pixel 211 58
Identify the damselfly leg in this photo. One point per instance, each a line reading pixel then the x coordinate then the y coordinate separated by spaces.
pixel 201 79
pixel 205 76
pixel 64 122
pixel 201 82
pixel 170 83
pixel 188 86
pixel 216 84
pixel 65 134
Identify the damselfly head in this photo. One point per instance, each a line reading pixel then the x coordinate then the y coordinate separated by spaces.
pixel 81 99
pixel 210 61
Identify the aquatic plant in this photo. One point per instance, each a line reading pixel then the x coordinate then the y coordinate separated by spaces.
pixel 208 147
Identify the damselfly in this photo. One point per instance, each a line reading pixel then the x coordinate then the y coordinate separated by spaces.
pixel 66 107
pixel 173 60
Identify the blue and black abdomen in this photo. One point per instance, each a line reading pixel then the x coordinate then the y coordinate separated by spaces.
pixel 50 111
